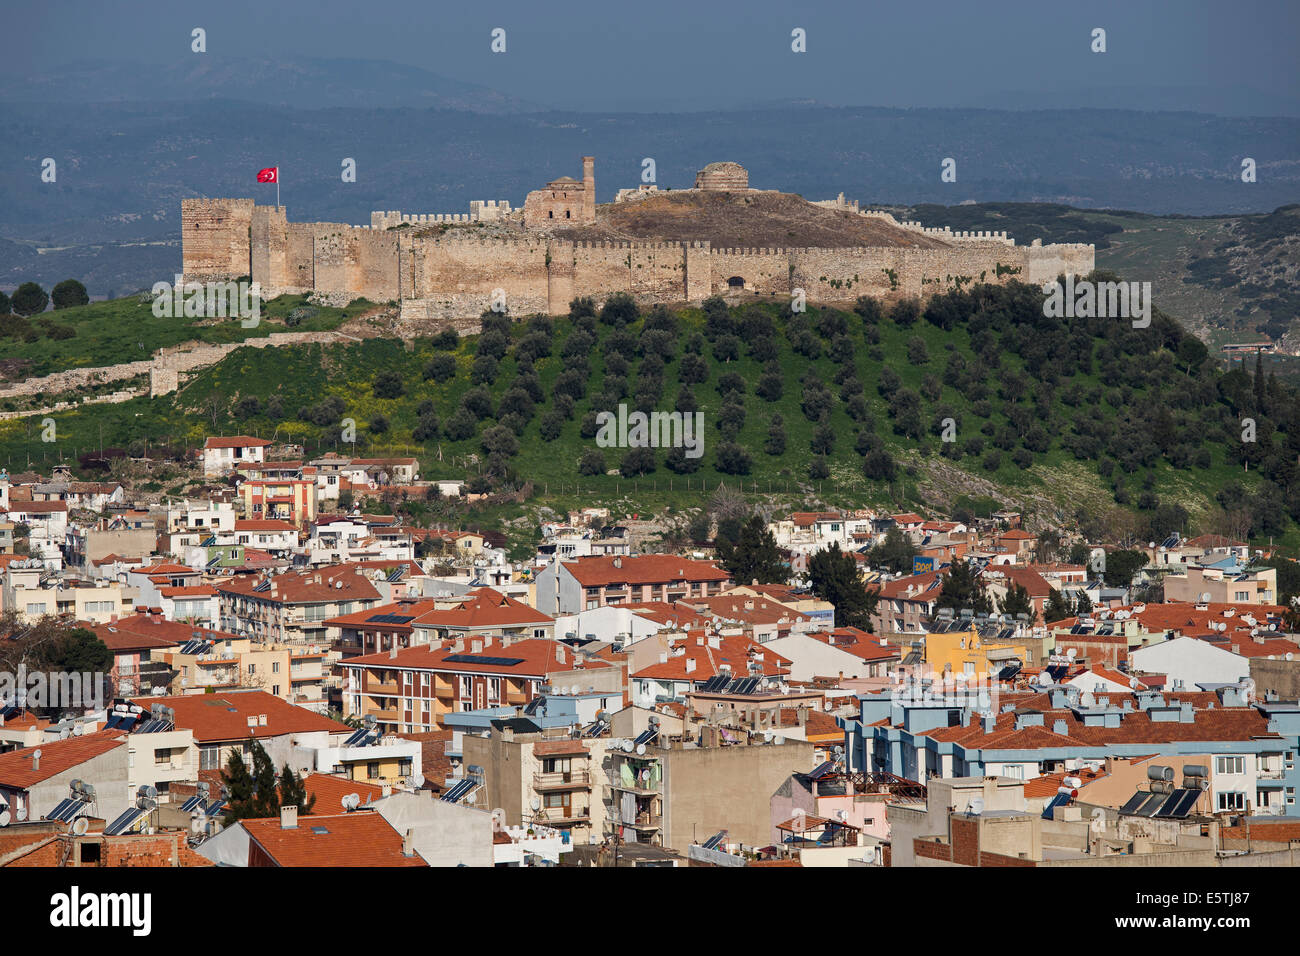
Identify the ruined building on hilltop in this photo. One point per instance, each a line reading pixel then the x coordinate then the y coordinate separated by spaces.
pixel 556 248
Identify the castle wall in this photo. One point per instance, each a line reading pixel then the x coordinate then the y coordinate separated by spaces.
pixel 270 237
pixel 355 261
pixel 1045 263
pixel 453 278
pixel 215 238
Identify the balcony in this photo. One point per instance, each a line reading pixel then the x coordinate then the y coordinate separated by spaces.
pixel 646 821
pixel 574 780
pixel 561 817
pixel 377 689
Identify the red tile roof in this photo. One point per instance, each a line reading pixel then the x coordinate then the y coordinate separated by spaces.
pixel 1049 784
pixel 708 660
pixel 363 838
pixel 306 587
pixel 221 717
pixel 480 609
pixel 262 524
pixel 329 790
pixel 146 627
pixel 57 756
pixel 592 572
pixel 859 643
pixel 536 657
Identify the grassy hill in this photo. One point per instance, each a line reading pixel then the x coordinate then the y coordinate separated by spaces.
pixel 1227 278
pixel 126 330
pixel 1087 421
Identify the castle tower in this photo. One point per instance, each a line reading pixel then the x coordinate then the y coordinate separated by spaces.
pixel 589 189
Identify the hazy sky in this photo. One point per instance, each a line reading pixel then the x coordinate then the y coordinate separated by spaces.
pixel 613 54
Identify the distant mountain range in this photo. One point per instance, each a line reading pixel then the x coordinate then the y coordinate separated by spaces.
pixel 303 83
pixel 112 216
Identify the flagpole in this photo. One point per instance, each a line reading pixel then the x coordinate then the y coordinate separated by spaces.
pixel 277 187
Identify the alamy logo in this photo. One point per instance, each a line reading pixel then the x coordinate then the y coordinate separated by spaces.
pixel 656 430
pixel 63 689
pixel 1102 300
pixel 76 909
pixel 210 300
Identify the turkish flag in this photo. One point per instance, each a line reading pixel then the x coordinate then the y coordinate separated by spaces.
pixel 269 175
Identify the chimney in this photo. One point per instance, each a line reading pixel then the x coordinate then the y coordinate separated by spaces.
pixel 36 759
pixel 289 818
pixel 392 652
pixel 408 842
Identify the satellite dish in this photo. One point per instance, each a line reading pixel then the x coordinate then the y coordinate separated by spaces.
pixel 21 815
pixel 80 826
pixel 63 733
pixel 471 797
pixel 78 730
pixel 778 739
pixel 536 804
pixel 640 748
pixel 5 817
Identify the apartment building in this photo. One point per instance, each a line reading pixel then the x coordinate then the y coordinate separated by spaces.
pixel 292 608
pixel 567 587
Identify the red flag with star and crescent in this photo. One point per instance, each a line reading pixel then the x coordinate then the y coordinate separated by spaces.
pixel 269 175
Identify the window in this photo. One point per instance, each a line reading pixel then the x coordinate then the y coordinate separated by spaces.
pixel 558 801
pixel 1014 771
pixel 556 765
pixel 275 667
pixel 494 688
pixel 209 758
pixel 466 686
pixel 1232 800
pixel 372 769
pixel 36 608
pixel 405 766
pixel 89 851
pixel 162 758
pixel 1231 765
pixel 275 690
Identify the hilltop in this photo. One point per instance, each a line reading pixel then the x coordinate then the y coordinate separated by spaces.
pixel 758 219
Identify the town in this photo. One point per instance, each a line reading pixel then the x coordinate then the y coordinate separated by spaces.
pixel 288 676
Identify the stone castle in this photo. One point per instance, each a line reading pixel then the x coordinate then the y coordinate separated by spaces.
pixel 450 266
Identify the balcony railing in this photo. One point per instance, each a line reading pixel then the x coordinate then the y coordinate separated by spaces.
pixel 559 816
pixel 572 780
